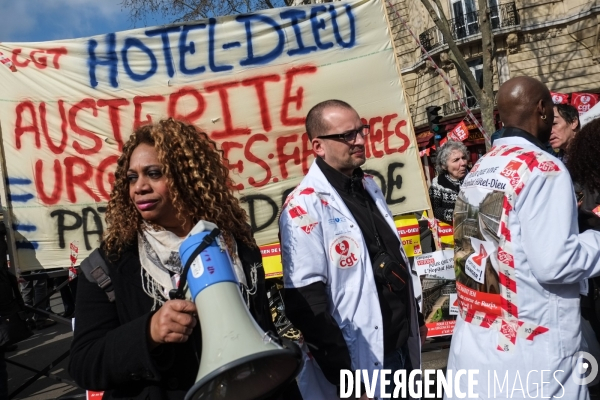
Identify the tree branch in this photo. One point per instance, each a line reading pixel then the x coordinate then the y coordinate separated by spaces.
pixel 455 55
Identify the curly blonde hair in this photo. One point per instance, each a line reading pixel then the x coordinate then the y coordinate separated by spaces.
pixel 199 185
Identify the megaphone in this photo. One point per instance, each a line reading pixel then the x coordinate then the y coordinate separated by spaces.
pixel 239 360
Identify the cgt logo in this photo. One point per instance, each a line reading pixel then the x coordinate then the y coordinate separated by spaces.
pixel 344 252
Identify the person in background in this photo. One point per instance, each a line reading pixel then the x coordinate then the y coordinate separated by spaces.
pixel 564 128
pixel 144 345
pixel 583 162
pixel 33 291
pixel 3 372
pixel 336 229
pixel 451 166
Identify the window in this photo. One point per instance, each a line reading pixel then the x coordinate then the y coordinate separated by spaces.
pixel 503 68
pixel 476 67
pixel 465 18
pixel 494 14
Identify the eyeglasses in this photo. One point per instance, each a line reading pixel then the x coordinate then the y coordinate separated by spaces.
pixel 348 136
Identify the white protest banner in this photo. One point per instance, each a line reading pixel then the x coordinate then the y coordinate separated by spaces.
pixel 67 107
pixel 439 264
pixel 440 305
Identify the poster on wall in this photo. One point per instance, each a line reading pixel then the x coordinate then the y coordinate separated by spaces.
pixel 439 300
pixel 67 107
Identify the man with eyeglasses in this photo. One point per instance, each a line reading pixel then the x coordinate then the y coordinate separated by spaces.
pixel 348 284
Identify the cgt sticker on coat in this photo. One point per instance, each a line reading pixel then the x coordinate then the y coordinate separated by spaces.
pixel 344 252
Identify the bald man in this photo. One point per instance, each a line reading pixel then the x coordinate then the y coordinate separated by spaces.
pixel 519 261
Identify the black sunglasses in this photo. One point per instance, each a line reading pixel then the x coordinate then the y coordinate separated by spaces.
pixel 348 136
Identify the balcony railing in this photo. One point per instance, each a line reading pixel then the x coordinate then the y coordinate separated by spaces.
pixel 454 107
pixel 466 25
pixel 504 15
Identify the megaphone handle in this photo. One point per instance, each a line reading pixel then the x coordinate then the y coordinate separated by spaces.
pixel 208 239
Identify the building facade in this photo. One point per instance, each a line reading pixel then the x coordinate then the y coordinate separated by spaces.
pixel 555 41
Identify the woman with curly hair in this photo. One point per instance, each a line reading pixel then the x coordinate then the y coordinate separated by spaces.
pixel 169 177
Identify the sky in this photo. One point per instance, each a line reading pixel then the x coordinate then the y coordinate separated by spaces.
pixel 41 20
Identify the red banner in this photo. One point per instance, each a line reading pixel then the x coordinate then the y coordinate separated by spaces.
pixel 560 98
pixel 460 133
pixel 442 328
pixel 583 101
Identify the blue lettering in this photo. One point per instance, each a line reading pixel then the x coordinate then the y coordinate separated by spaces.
pixel 111 60
pixel 296 16
pixel 134 42
pixel 164 35
pixel 231 45
pixel 317 24
pixel 270 56
pixel 211 49
pixel 336 31
pixel 185 48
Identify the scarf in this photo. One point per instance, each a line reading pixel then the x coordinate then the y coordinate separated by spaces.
pixel 161 265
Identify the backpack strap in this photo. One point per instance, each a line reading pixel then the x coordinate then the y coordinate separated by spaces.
pixel 95 270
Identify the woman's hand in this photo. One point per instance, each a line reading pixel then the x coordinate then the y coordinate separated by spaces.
pixel 172 323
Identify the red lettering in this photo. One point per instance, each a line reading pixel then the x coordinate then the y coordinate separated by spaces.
pixel 288 98
pixel 227 120
pixel 226 147
pixel 373 138
pixel 20 130
pixel 57 52
pixel 41 62
pixel 80 180
pixel 257 160
pixel 91 104
pixel 63 140
pixel 102 168
pixel 115 117
pixel 192 116
pixel 401 135
pixel 307 152
pixel 259 85
pixel 39 183
pixel 387 133
pixel 16 62
pixel 138 102
pixel 376 136
pixel 282 157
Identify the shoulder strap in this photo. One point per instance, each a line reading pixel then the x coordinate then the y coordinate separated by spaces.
pixel 179 293
pixel 95 270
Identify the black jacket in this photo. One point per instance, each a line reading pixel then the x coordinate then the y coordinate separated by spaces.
pixel 110 345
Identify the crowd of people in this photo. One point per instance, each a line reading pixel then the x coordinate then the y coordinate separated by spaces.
pixel 349 286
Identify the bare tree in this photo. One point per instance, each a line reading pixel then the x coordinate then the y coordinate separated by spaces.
pixel 485 95
pixel 189 10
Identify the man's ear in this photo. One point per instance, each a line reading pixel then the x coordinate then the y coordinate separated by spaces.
pixel 541 108
pixel 318 147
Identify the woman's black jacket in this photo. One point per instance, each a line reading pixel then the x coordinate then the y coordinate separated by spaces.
pixel 110 345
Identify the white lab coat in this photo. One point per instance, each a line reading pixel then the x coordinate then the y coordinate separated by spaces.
pixel 321 241
pixel 530 331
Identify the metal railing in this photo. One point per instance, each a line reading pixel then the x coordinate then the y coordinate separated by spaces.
pixel 454 107
pixel 504 15
pixel 466 25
